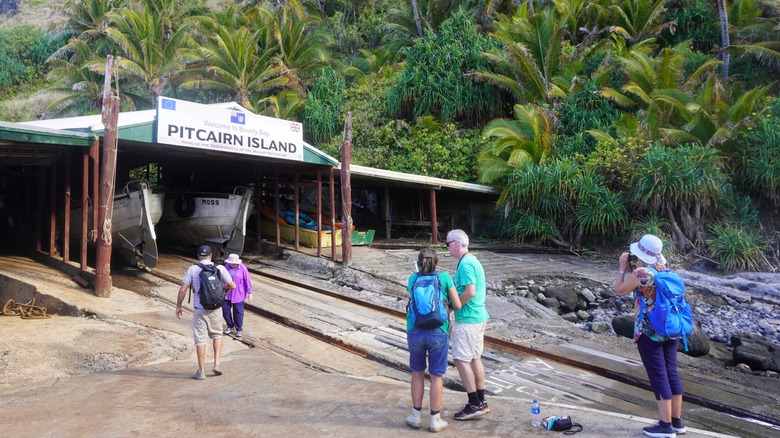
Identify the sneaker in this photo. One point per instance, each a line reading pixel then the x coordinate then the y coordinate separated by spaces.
pixel 199 375
pixel 658 431
pixel 469 412
pixel 678 426
pixel 483 407
pixel 228 331
pixel 415 419
pixel 437 423
pixel 217 370
pixel 239 334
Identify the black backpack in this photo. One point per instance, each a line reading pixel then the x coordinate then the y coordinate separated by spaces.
pixel 212 287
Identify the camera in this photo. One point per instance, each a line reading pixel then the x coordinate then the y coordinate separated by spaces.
pixel 632 258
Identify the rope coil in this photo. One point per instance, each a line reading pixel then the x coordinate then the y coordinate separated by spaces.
pixel 26 311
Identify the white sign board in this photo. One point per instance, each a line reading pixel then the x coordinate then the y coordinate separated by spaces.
pixel 190 124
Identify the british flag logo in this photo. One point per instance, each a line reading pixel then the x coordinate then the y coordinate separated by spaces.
pixel 295 127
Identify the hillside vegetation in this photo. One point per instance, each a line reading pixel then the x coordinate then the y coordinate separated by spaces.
pixel 598 120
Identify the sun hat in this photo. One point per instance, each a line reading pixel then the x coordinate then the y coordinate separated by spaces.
pixel 648 249
pixel 233 259
pixel 204 250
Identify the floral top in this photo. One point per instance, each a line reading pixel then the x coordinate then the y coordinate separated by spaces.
pixel 646 292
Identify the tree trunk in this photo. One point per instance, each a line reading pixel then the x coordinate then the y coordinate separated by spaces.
pixel 725 42
pixel 416 13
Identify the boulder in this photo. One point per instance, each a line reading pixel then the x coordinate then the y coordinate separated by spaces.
pixel 698 344
pixel 569 298
pixel 755 352
pixel 600 327
pixel 623 325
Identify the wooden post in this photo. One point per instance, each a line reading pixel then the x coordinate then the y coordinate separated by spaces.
pixel 297 190
pixel 319 217
pixel 106 193
pixel 85 205
pixel 434 220
pixel 388 216
pixel 346 195
pixel 66 219
pixel 333 211
pixel 53 211
pixel 276 209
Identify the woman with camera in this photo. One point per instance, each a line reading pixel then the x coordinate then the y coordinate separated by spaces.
pixel 659 354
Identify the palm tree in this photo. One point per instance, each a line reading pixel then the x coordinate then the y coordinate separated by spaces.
pixel 528 137
pixel 86 21
pixel 81 89
pixel 639 20
pixel 145 55
pixel 236 61
pixel 531 65
pixel 302 47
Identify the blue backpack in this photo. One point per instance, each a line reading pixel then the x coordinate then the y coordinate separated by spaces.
pixel 426 307
pixel 671 317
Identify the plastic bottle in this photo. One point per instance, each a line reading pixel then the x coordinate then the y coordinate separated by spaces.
pixel 536 415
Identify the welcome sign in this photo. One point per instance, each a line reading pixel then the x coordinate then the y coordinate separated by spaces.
pixel 190 124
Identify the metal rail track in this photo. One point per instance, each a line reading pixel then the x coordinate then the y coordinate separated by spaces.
pixel 493 342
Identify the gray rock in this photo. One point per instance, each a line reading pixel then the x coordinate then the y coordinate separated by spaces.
pixel 583 315
pixel 588 295
pixel 9 8
pixel 698 344
pixel 567 297
pixel 551 303
pixel 623 325
pixel 571 317
pixel 600 327
pixel 756 352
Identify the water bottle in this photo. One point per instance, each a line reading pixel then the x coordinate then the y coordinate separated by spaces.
pixel 536 415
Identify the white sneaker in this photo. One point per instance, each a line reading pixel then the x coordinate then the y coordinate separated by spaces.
pixel 239 334
pixel 415 420
pixel 437 423
pixel 228 331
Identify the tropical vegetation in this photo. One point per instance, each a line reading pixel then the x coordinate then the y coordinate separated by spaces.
pixel 596 120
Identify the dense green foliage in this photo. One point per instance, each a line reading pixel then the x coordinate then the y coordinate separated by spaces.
pixel 579 112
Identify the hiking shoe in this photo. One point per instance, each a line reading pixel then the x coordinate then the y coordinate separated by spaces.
pixel 239 334
pixel 228 331
pixel 658 431
pixel 678 426
pixel 483 407
pixel 217 370
pixel 469 412
pixel 437 423
pixel 414 420
pixel 199 375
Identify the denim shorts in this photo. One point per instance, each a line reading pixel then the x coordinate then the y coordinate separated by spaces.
pixel 430 344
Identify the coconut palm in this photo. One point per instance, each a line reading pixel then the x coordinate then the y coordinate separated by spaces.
pixel 236 61
pixel 302 46
pixel 531 65
pixel 86 21
pixel 145 56
pixel 528 137
pixel 639 20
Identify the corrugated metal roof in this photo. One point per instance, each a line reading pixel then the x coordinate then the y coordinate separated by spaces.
pixel 140 126
pixel 23 133
pixel 408 178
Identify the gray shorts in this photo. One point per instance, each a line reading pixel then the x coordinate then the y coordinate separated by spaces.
pixel 206 324
pixel 468 341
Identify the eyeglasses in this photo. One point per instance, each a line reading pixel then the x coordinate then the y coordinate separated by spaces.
pixel 450 241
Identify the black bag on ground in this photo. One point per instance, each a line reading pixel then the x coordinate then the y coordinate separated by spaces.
pixel 212 287
pixel 561 424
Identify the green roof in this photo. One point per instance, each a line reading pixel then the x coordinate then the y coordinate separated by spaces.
pixel 26 134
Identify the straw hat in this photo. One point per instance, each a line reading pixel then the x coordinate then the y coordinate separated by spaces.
pixel 233 259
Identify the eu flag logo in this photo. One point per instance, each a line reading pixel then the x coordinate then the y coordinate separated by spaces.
pixel 169 104
pixel 237 117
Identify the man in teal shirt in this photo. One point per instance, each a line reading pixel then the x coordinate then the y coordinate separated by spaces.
pixel 468 331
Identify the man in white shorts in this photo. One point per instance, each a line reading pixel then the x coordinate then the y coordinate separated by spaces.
pixel 206 323
pixel 468 331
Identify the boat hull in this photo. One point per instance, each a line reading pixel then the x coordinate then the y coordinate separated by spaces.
pixel 216 219
pixel 306 237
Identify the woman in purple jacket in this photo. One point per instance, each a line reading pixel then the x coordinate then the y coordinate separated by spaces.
pixel 235 298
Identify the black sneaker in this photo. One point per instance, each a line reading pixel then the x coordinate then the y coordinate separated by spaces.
pixel 678 426
pixel 483 407
pixel 469 412
pixel 658 431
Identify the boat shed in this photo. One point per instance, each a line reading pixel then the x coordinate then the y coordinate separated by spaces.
pixel 408 204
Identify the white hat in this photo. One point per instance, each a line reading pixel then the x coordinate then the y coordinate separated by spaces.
pixel 648 249
pixel 233 259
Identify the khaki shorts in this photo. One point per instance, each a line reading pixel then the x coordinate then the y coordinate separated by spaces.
pixel 206 324
pixel 468 341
